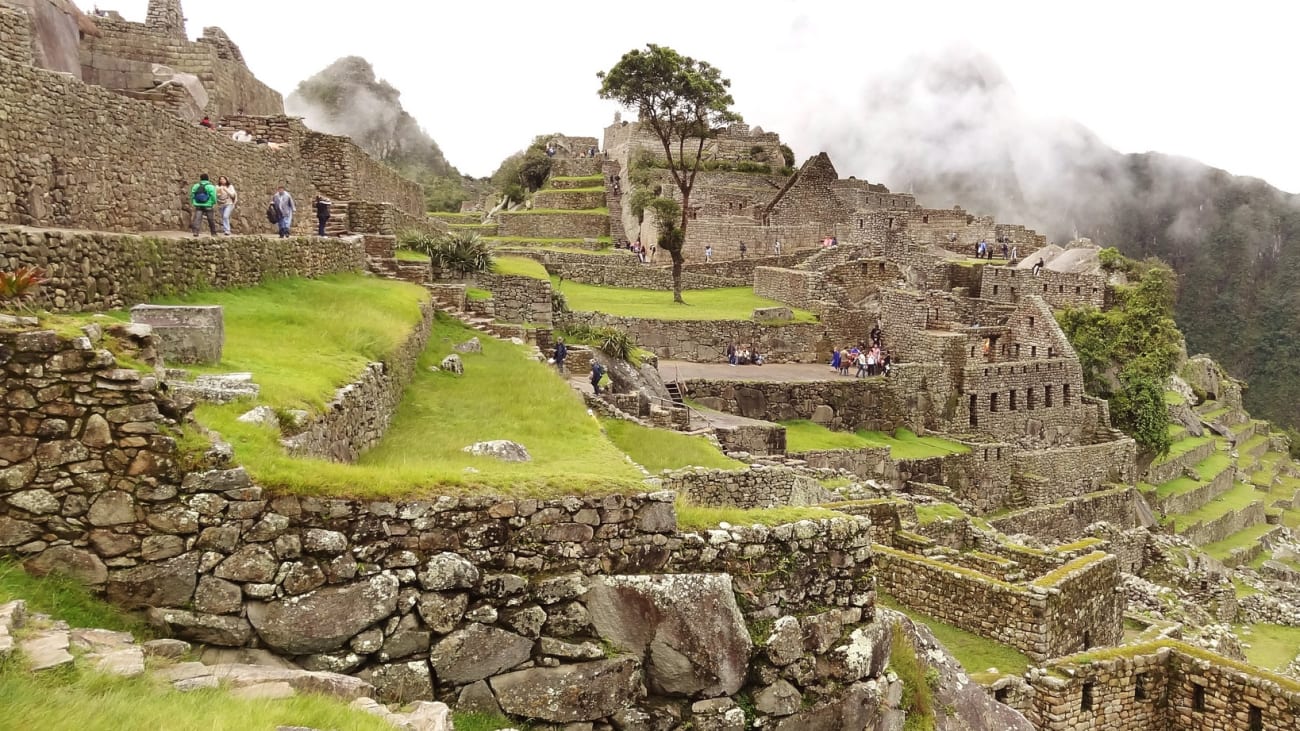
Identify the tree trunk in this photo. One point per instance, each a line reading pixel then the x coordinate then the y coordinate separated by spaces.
pixel 677 276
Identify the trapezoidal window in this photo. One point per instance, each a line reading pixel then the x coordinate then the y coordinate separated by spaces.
pixel 1065 394
pixel 1140 687
pixel 1011 400
pixel 993 403
pixel 975 418
pixel 1198 698
pixel 1256 719
pixel 1047 396
pixel 1029 399
pixel 1085 701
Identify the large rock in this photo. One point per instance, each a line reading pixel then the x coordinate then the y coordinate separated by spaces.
pixel 325 619
pixel 167 583
pixel 448 571
pixel 581 692
pixel 689 625
pixel 477 652
pixel 203 628
pixel 502 449
pixel 83 566
pixel 402 682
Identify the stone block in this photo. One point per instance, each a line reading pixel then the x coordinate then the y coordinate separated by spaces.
pixel 189 334
pixel 779 314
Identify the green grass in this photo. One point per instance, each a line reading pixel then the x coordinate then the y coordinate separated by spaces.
pixel 602 211
pixel 660 449
pixel 1173 398
pixel 484 722
pixel 1213 414
pixel 1241 495
pixel 926 514
pixel 592 178
pixel 1055 576
pixel 450 216
pixel 1220 550
pixel 474 294
pixel 726 303
pixel 1181 447
pixel 802 435
pixel 1207 469
pixel 408 255
pixel 304 338
pixel 519 266
pixel 64 598
pixel 695 517
pixel 590 189
pixel 1150 648
pixel 504 394
pixel 1272 646
pixel 976 654
pixel 545 241
pixel 79 700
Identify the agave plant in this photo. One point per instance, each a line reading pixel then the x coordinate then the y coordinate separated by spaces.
pixel 460 253
pixel 18 287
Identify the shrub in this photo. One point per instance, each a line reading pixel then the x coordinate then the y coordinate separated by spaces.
pixel 18 288
pixel 459 252
pixel 788 154
pixel 752 167
pixel 609 340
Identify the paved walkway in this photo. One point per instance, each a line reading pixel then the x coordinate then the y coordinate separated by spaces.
pixel 673 370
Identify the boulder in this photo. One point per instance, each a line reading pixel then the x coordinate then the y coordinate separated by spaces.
pixel 324 620
pixel 469 346
pixel 83 566
pixel 477 652
pixel 689 625
pixel 202 628
pixel 452 364
pixel 773 314
pixel 778 699
pixel 568 693
pixel 16 532
pixel 403 682
pixel 448 571
pixel 442 612
pixel 167 583
pixel 261 415
pixel 502 449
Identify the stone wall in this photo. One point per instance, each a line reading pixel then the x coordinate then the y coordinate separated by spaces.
pixel 1159 686
pixel 705 341
pixel 1059 289
pixel 844 404
pixel 519 299
pixel 16 41
pixel 639 276
pixel 1067 520
pixel 135 172
pixel 553 225
pixel 387 219
pixel 101 271
pixel 1078 470
pixel 1042 620
pixel 343 172
pixel 360 412
pixel 760 487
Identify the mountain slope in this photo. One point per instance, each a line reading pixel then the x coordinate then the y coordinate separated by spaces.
pixel 950 129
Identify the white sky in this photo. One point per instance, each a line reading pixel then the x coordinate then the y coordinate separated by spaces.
pixel 1213 81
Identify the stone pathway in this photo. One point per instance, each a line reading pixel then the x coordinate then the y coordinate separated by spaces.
pixel 777 372
pixel 46 644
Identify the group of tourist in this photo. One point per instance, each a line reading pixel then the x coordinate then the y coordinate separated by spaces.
pixel 743 355
pixel 984 250
pixel 873 360
pixel 207 199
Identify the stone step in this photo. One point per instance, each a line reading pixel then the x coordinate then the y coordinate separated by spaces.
pixel 46 649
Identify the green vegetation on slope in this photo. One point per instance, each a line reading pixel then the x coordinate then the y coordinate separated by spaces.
pixel 660 449
pixel 975 653
pixel 917 700
pixel 519 266
pixel 1271 646
pixel 304 338
pixel 726 303
pixel 695 517
pixel 64 598
pixel 802 435
pixel 503 394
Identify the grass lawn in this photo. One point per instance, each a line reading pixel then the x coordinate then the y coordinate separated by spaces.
pixel 976 654
pixel 802 435
pixel 474 294
pixel 694 517
pixel 1241 495
pixel 926 514
pixel 519 266
pixel 1241 539
pixel 496 240
pixel 587 178
pixel 292 335
pixel 1207 469
pixel 602 211
pixel 588 189
pixel 725 303
pixel 1181 447
pixel 660 449
pixel 66 599
pixel 408 255
pixel 483 722
pixel 1213 414
pixel 504 394
pixel 1173 398
pixel 1272 646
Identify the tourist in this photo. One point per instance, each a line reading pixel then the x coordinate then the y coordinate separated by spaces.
pixel 835 359
pixel 561 352
pixel 872 355
pixel 205 122
pixel 322 214
pixel 597 370
pixel 776 248
pixel 731 353
pixel 835 242
pixel 241 135
pixel 846 361
pixel 282 201
pixel 203 196
pixel 708 254
pixel 226 199
pixel 876 335
pixel 887 364
pixel 1006 251
pixel 1038 267
pixel 742 250
pixel 862 364
pixel 653 250
pixel 1015 254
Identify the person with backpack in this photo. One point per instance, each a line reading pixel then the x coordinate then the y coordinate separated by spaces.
pixel 561 352
pixel 597 371
pixel 282 203
pixel 203 196
pixel 322 213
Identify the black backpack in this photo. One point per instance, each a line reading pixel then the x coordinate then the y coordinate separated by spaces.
pixel 272 213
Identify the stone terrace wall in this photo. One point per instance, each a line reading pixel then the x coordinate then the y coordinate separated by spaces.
pixel 134 173
pixel 553 225
pixel 16 42
pixel 1038 622
pixel 1059 289
pixel 638 276
pixel 1066 520
pixel 344 172
pixel 360 412
pixel 761 487
pixel 519 299
pixel 844 404
pixel 100 271
pixel 1078 470
pixel 705 341
pixel 1159 687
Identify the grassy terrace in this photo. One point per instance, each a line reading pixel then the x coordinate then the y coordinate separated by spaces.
pixel 802 435
pixel 1149 648
pixel 976 654
pixel 695 517
pixel 65 598
pixel 584 178
pixel 660 449
pixel 1221 550
pixel 1240 496
pixel 1208 469
pixel 602 211
pixel 1271 646
pixel 1181 447
pixel 290 336
pixel 1173 398
pixel 501 240
pixel 727 303
pixel 519 266
pixel 408 255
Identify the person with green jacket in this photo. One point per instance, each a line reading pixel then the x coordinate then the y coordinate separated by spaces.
pixel 203 197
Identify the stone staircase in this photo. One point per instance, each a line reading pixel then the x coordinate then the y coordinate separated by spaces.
pixel 614 199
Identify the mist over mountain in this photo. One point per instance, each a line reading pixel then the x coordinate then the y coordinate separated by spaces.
pixel 950 128
pixel 346 98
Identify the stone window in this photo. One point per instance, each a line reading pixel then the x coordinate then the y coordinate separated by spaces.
pixel 1002 694
pixel 1011 399
pixel 1256 719
pixel 1078 290
pixel 1065 394
pixel 1060 289
pixel 998 453
pixel 860 223
pixel 1031 322
pixel 1029 399
pixel 995 289
pixel 1017 350
pixel 993 403
pixel 1085 701
pixel 1140 687
pixel 1033 351
pixel 925 219
pixel 1051 352
pixel 1198 698
pixel 1044 289
pixel 1047 396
